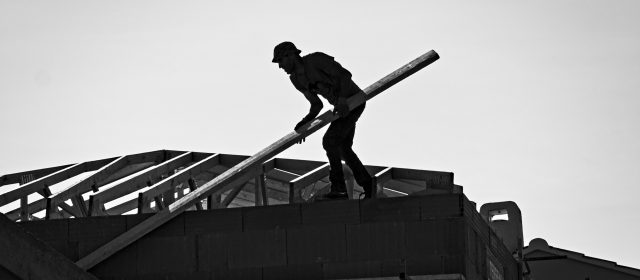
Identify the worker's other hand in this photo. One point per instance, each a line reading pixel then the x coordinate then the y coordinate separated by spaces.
pixel 341 108
pixel 300 124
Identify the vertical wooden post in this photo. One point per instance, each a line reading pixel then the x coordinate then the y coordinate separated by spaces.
pixel 295 194
pixel 46 191
pixel 169 196
pixel 24 201
pixel 96 208
pixel 180 191
pixel 143 204
pixel 24 208
pixel 260 190
pixel 51 211
pixel 193 185
pixel 159 204
pixel 214 201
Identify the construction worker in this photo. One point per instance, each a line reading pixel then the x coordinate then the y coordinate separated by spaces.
pixel 319 74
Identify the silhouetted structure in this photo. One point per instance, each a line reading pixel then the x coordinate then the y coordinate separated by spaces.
pixel 552 263
pixel 422 224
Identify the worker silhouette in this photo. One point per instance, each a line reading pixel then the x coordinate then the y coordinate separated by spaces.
pixel 319 74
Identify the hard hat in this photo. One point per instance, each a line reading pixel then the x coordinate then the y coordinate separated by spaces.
pixel 284 49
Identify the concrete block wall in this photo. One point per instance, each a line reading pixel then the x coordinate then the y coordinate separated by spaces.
pixel 419 235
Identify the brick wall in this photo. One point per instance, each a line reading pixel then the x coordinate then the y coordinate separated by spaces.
pixel 419 235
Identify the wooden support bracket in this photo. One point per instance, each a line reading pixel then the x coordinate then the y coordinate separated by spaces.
pixel 80 205
pixel 232 195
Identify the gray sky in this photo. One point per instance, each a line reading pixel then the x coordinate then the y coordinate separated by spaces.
pixel 535 102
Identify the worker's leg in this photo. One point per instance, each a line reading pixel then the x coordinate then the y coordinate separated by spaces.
pixel 359 171
pixel 331 144
pixel 337 142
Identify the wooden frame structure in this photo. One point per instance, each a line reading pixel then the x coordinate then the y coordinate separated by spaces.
pixel 150 189
pixel 156 182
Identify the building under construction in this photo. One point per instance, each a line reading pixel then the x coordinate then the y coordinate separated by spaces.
pixel 266 227
pixel 197 215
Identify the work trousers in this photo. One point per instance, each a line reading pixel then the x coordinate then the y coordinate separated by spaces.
pixel 337 142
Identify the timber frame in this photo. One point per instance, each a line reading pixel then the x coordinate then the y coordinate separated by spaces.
pixel 168 183
pixel 149 182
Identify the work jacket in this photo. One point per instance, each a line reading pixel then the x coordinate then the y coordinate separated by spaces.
pixel 325 77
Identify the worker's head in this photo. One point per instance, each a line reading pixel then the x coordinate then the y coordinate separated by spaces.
pixel 286 54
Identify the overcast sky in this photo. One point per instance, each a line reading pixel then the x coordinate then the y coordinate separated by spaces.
pixel 535 102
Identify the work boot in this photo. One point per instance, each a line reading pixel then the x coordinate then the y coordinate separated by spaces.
pixel 339 192
pixel 366 195
pixel 334 195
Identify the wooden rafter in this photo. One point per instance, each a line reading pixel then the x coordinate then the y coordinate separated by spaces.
pixel 167 184
pixel 113 192
pixel 96 179
pixel 41 185
pixel 145 178
pixel 16 178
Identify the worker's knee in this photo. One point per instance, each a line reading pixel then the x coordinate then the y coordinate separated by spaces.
pixel 331 144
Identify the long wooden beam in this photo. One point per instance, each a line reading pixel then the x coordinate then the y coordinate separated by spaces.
pixel 244 170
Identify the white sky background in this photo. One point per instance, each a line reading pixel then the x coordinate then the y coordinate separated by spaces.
pixel 531 102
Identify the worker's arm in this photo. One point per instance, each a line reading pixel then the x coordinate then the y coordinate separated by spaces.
pixel 314 110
